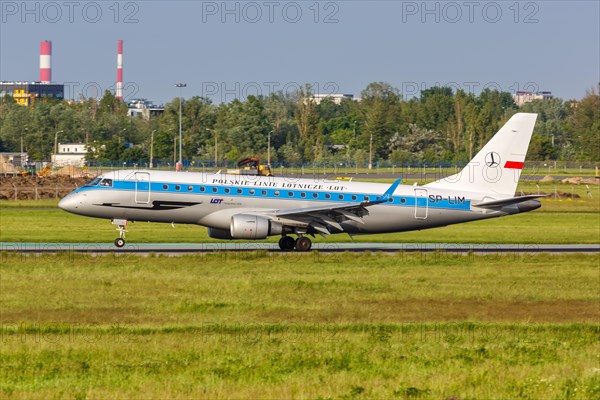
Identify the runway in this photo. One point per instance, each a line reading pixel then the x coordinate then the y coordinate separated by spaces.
pixel 355 247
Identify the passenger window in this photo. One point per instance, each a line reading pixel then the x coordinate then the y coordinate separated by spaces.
pixel 214 190
pixel 327 196
pixel 353 197
pixel 315 195
pixel 291 194
pixel 366 198
pixel 391 200
pixel 165 187
pixel 190 188
pixel 251 191
pixel 302 194
pixel 177 187
pixel 227 190
pixel 403 200
pixel 264 192
pixel 202 188
pixel 341 197
pixel 239 191
pixel 277 193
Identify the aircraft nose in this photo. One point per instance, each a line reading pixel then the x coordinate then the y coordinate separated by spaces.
pixel 70 203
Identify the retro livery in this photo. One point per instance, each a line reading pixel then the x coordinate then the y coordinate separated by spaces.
pixel 255 207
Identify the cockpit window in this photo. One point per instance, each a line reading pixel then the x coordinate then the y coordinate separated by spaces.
pixel 106 182
pixel 94 182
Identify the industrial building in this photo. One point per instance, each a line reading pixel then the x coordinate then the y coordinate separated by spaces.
pixel 26 93
pixel 144 108
pixel 523 97
pixel 70 154
pixel 317 98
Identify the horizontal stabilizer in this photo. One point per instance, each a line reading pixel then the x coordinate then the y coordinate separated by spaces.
pixel 507 202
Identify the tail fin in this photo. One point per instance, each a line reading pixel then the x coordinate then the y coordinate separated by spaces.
pixel 497 167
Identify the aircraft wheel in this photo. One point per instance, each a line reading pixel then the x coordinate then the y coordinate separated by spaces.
pixel 287 243
pixel 119 242
pixel 303 244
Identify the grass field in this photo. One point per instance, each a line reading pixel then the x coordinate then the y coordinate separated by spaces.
pixel 300 326
pixel 324 326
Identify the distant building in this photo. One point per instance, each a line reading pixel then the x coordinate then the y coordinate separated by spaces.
pixel 16 159
pixel 70 154
pixel 144 108
pixel 336 98
pixel 523 97
pixel 26 93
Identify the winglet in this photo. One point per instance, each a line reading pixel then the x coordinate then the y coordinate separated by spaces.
pixel 388 193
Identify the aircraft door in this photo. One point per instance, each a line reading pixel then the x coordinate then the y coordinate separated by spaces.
pixel 142 187
pixel 421 204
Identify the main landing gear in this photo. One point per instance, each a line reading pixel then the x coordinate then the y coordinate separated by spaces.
pixel 121 225
pixel 288 243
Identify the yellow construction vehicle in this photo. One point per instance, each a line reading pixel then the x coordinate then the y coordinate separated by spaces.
pixel 251 166
pixel 31 170
pixel 46 171
pixel 27 170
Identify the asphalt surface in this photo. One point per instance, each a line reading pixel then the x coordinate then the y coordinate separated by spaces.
pixel 191 248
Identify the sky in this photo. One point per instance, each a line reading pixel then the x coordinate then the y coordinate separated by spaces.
pixel 226 50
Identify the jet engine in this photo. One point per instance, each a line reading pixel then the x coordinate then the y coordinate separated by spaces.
pixel 216 233
pixel 253 227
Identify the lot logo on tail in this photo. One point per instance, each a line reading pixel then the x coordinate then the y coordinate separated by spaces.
pixel 492 159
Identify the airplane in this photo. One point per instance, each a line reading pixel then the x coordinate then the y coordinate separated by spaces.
pixel 256 207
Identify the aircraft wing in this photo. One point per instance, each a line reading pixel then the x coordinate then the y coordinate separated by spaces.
pixel 323 218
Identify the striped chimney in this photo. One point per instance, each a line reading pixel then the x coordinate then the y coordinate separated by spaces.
pixel 46 61
pixel 119 91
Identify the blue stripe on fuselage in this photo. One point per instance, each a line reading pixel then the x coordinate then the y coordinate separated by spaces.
pixel 448 202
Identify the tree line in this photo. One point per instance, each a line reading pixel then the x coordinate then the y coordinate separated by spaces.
pixel 442 125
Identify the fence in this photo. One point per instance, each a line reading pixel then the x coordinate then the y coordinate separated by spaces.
pixel 342 166
pixel 36 192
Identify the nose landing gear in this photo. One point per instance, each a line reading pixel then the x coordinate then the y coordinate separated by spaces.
pixel 121 225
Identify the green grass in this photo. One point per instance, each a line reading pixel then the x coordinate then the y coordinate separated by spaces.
pixel 299 326
pixel 419 361
pixel 270 288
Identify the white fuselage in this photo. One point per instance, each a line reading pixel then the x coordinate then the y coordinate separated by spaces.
pixel 212 199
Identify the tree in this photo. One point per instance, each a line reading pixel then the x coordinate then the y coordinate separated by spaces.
pixel 584 126
pixel 306 121
pixel 381 114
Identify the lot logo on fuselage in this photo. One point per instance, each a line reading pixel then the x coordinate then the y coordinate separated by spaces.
pixel 216 201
